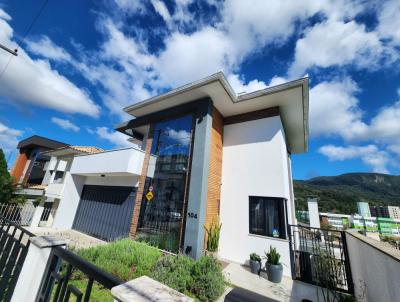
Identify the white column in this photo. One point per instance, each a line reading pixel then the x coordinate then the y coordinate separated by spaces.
pixel 313 213
pixel 36 216
pixel 34 267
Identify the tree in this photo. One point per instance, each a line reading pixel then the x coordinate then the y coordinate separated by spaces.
pixel 6 188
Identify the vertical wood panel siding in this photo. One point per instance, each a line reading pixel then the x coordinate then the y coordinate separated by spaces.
pixel 215 170
pixel 142 180
pixel 18 167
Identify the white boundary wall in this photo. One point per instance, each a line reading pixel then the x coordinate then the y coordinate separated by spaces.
pixel 375 268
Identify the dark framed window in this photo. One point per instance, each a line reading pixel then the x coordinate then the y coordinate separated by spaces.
pixel 267 216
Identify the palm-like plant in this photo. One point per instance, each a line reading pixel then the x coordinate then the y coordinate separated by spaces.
pixel 213 233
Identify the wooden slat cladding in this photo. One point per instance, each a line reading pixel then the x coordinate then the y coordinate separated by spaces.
pixel 142 180
pixel 250 116
pixel 215 169
pixel 18 167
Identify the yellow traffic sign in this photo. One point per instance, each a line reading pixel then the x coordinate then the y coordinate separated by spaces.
pixel 149 196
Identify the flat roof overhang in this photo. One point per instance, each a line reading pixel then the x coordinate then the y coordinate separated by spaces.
pixel 290 97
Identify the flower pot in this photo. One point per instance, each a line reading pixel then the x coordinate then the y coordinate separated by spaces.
pixel 274 272
pixel 255 266
pixel 212 254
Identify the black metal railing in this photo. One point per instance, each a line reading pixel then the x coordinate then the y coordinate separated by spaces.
pixel 320 257
pixel 65 267
pixel 14 244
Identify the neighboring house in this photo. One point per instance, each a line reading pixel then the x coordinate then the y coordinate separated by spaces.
pixel 29 169
pixel 204 153
pixel 57 168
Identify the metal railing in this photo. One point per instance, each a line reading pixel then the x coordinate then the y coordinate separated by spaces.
pixel 320 257
pixel 14 244
pixel 66 267
pixel 47 217
pixel 19 214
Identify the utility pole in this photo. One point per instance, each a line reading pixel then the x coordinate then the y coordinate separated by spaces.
pixel 9 50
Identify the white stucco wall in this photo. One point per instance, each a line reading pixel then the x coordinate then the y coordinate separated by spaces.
pixel 254 163
pixel 375 274
pixel 122 161
pixel 69 201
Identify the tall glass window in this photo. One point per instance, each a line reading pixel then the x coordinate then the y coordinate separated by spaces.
pixel 161 213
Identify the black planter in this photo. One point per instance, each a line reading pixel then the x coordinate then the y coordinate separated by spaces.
pixel 255 266
pixel 274 272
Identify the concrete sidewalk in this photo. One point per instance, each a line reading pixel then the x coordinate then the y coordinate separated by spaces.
pixel 288 290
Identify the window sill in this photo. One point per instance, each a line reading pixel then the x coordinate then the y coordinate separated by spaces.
pixel 268 237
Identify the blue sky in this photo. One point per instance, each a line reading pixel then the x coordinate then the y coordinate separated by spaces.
pixel 83 61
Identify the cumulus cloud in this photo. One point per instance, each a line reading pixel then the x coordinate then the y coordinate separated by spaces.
pixel 388 21
pixel 34 81
pixel 65 124
pixel 334 109
pixel 344 43
pixel 115 138
pixel 8 138
pixel 370 155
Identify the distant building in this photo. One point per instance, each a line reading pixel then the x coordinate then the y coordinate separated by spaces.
pixel 363 209
pixel 379 211
pixel 338 221
pixel 394 212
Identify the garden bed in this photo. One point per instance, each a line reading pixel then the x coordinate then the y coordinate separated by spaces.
pixel 127 259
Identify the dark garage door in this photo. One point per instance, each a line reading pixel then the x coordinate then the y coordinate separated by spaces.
pixel 105 212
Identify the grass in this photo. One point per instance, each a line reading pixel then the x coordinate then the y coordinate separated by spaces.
pixel 202 279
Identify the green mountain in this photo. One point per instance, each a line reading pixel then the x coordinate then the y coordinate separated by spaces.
pixel 339 194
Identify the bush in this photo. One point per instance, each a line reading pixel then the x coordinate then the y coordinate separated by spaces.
pixel 174 271
pixel 202 278
pixel 125 259
pixel 208 280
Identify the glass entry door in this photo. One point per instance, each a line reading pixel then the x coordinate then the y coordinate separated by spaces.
pixel 162 211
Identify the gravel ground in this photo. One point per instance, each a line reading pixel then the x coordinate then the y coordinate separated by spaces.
pixel 74 239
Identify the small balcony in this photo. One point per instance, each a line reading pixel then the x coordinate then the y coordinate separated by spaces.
pixel 54 190
pixel 128 161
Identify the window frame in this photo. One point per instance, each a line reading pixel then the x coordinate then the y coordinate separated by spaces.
pixel 282 224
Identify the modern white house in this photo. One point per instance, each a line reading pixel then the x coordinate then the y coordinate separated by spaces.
pixel 199 153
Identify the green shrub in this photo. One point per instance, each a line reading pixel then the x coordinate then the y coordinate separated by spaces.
pixel 272 256
pixel 213 233
pixel 208 280
pixel 202 279
pixel 174 271
pixel 125 258
pixel 255 257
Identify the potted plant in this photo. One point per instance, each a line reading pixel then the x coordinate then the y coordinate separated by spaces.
pixel 213 233
pixel 273 266
pixel 255 263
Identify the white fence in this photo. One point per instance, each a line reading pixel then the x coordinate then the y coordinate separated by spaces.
pixel 23 214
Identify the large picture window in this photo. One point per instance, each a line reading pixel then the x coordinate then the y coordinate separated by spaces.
pixel 267 216
pixel 161 218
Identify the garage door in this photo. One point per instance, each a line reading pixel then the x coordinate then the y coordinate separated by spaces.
pixel 105 212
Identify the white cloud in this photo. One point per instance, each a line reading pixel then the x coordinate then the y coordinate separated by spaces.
pixel 162 10
pixel 370 155
pixel 8 138
pixel 334 110
pixel 65 124
pixel 116 138
pixel 34 81
pixel 44 47
pixel 344 43
pixel 240 87
pixel 181 136
pixel 389 21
